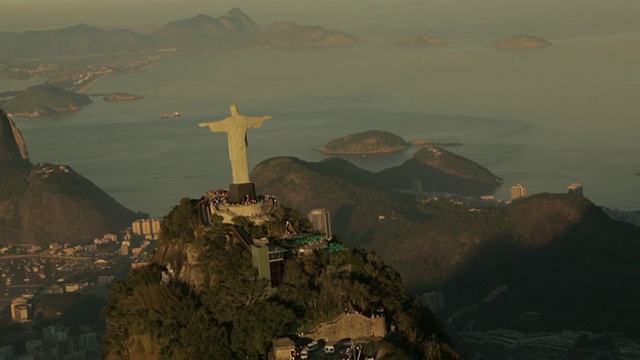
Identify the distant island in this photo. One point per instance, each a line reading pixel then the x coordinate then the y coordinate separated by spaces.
pixel 286 34
pixel 520 41
pixel 367 142
pixel 421 40
pixel 44 99
pixel 121 97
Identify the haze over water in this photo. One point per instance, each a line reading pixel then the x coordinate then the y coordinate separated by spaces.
pixel 543 118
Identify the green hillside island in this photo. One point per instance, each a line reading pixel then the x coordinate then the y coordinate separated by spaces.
pixel 367 142
pixel 287 34
pixel 44 99
pixel 201 298
pixel 46 203
pixel 521 41
pixel 551 251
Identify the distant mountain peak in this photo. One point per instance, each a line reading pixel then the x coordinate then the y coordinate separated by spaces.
pixel 203 31
pixel 80 27
pixel 76 210
pixel 246 24
pixel 236 12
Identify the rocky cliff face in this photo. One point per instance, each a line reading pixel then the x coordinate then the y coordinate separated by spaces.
pixel 12 145
pixel 50 203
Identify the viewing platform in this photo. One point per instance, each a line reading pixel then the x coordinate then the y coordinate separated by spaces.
pixel 217 202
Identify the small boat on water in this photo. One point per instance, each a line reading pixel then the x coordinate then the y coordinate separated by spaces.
pixel 174 114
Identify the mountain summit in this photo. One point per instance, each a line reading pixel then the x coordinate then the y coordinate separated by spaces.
pixel 202 31
pixel 47 203
pixel 244 23
pixel 12 147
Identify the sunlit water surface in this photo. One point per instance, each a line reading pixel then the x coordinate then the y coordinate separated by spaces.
pixel 544 118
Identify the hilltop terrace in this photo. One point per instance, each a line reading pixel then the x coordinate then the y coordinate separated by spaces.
pixel 218 202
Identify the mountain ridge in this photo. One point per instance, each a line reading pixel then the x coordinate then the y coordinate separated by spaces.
pixel 45 203
pixel 444 242
pixel 235 29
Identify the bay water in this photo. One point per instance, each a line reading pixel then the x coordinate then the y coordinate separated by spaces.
pixel 544 118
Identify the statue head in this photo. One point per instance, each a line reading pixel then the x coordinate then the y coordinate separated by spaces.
pixel 234 110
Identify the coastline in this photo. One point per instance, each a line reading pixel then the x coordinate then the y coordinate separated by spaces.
pixel 86 87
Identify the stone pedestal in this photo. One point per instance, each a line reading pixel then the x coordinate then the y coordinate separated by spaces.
pixel 238 193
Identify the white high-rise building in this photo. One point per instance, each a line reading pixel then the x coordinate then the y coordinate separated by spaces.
pixel 149 228
pixel 321 220
pixel 575 189
pixel 434 300
pixel 518 191
pixel 415 186
pixel 20 309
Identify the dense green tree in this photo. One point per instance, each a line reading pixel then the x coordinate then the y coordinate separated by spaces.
pixel 181 222
pixel 211 303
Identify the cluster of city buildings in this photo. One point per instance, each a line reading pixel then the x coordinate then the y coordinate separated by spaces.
pixel 519 191
pixel 132 241
pixel 55 268
pixel 55 343
pixel 73 77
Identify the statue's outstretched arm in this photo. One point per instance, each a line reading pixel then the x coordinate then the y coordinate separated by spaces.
pixel 215 126
pixel 256 121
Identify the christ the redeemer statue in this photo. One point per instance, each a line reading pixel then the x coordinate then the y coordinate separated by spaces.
pixel 236 127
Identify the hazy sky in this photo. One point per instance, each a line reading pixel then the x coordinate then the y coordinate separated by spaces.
pixel 553 18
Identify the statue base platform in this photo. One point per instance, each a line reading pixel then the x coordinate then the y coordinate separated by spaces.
pixel 256 212
pixel 239 193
